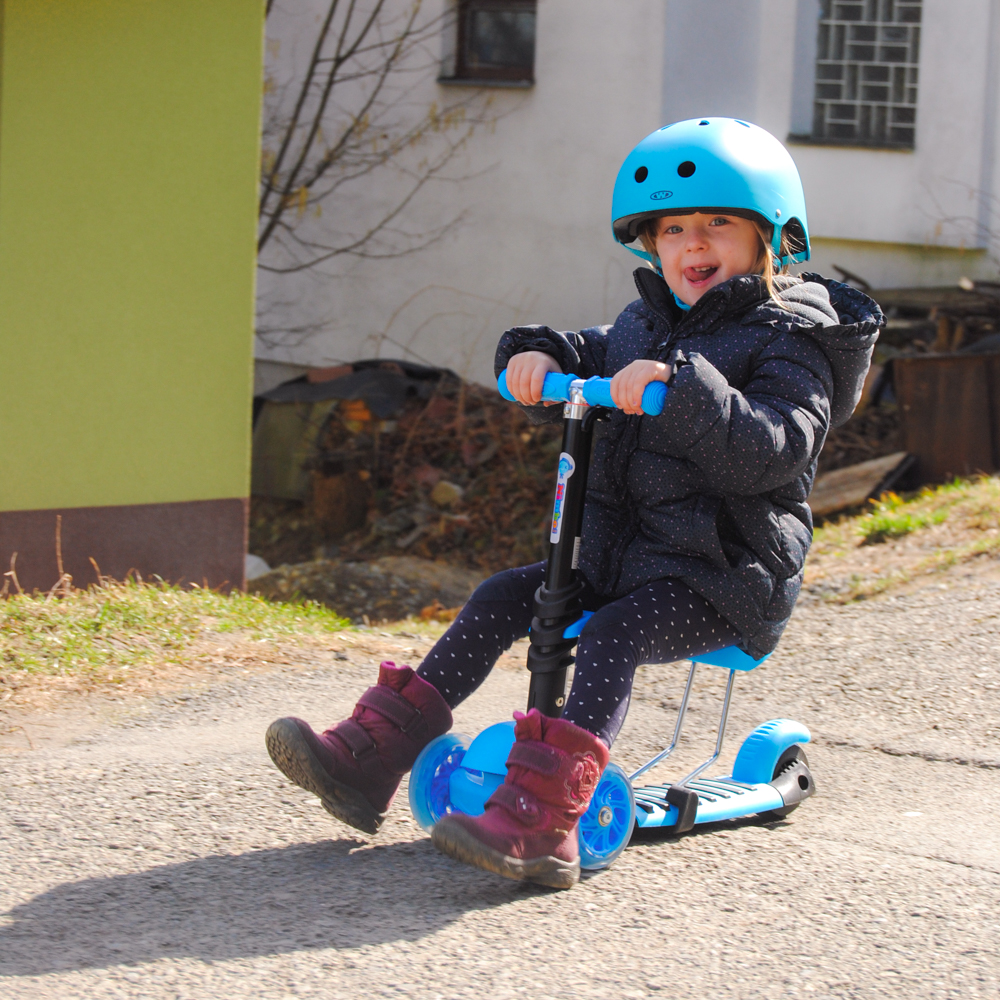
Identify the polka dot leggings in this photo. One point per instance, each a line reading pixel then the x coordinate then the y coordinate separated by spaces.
pixel 659 623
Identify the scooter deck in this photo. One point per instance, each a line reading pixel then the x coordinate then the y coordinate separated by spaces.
pixel 718 799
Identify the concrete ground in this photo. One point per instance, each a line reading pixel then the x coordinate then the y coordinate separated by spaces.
pixel 150 849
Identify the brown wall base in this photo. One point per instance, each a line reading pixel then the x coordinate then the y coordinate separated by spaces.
pixel 200 541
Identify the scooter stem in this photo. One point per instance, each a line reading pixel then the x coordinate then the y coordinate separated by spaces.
pixel 558 602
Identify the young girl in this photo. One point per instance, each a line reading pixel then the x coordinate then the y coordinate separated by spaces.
pixel 696 526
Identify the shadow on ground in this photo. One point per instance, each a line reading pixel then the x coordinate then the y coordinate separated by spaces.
pixel 338 894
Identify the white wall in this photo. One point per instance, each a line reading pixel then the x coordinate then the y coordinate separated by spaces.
pixel 729 57
pixel 897 216
pixel 929 195
pixel 535 244
pixel 533 193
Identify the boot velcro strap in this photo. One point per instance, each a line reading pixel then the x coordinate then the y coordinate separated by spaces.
pixel 358 741
pixel 522 805
pixel 535 756
pixel 396 709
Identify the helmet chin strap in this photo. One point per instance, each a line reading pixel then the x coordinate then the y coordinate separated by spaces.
pixel 683 306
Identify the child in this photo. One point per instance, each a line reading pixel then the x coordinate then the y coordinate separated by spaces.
pixel 696 526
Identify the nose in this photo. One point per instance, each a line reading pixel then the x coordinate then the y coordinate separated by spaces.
pixel 697 238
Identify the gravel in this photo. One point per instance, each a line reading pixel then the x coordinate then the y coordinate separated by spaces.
pixel 150 849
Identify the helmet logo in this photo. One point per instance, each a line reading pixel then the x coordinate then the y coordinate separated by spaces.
pixel 661 195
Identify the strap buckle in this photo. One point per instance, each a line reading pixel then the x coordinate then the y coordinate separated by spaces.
pixel 417 719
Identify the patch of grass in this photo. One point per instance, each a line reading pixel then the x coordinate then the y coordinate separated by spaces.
pixel 891 518
pixel 974 502
pixel 922 533
pixel 116 626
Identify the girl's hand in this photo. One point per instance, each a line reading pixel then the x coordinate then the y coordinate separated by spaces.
pixel 628 385
pixel 525 374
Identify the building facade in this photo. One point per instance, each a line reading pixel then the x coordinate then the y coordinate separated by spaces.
pixel 889 108
pixel 129 151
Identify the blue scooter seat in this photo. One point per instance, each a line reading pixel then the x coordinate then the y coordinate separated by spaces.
pixel 732 658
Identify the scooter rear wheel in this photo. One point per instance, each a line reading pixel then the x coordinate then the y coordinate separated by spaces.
pixel 606 827
pixel 430 790
pixel 789 758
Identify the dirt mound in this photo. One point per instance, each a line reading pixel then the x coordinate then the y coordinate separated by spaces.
pixel 386 589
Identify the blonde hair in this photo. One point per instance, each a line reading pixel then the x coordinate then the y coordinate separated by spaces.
pixel 764 265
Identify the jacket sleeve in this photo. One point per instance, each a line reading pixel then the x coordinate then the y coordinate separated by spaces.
pixel 754 440
pixel 577 353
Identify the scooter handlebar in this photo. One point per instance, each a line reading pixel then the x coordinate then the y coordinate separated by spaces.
pixel 596 391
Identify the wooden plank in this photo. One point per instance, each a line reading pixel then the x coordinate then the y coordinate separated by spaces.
pixel 993 381
pixel 853 485
pixel 945 413
pixel 950 298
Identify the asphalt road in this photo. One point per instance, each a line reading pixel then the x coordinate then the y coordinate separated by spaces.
pixel 150 849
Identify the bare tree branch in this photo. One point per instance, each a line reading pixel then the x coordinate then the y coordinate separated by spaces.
pixel 290 128
pixel 348 113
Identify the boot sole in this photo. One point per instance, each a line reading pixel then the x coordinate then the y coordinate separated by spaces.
pixel 293 756
pixel 455 841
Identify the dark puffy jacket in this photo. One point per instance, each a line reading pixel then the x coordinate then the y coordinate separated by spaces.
pixel 713 490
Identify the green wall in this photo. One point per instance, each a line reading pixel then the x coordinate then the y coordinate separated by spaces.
pixel 129 135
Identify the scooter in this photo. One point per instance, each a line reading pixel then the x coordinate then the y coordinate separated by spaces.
pixel 454 772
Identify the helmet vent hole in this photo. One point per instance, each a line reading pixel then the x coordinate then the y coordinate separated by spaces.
pixel 794 237
pixel 738 122
pixel 686 169
pixel 641 174
pixel 704 121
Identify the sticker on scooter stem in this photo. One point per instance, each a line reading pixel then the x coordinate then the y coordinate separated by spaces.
pixel 566 469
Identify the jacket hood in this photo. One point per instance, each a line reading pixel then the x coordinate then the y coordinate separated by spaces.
pixel 842 320
pixel 848 342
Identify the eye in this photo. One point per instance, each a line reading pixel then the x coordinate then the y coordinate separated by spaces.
pixel 719 220
pixel 673 230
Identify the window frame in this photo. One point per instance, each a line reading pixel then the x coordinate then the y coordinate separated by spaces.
pixel 854 70
pixel 497 76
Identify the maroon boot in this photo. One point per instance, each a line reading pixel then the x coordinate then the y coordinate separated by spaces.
pixel 356 767
pixel 528 830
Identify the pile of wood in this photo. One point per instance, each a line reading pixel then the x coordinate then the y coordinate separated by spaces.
pixel 872 432
pixel 931 407
pixel 455 473
pixel 962 318
pixel 458 475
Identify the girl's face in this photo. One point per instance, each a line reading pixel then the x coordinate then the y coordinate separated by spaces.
pixel 699 251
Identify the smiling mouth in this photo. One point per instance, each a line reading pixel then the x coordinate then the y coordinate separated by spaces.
pixel 700 275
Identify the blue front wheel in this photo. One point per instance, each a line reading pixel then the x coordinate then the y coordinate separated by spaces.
pixel 430 792
pixel 606 827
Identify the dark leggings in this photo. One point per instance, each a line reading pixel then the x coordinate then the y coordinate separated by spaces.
pixel 659 623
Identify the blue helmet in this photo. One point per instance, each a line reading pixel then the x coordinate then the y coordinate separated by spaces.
pixel 712 165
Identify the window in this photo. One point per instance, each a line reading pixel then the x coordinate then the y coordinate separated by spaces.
pixel 867 55
pixel 495 41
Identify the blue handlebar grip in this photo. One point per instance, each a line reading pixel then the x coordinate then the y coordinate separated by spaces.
pixel 597 392
pixel 653 398
pixel 555 388
pixel 502 387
